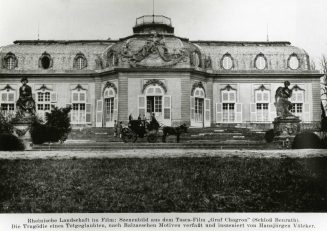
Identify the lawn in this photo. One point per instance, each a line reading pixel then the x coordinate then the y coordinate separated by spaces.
pixel 202 184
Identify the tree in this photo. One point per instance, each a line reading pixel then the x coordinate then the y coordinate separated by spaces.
pixel 323 92
pixel 55 129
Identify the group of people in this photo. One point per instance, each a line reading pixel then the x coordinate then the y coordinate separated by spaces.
pixel 141 120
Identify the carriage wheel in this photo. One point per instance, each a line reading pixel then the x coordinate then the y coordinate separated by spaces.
pixel 129 136
pixel 152 138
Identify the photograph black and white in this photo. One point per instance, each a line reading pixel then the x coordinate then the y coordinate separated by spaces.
pixel 153 106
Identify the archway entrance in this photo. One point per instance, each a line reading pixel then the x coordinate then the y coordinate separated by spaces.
pixel 200 109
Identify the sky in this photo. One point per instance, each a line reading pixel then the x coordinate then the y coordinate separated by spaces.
pixel 302 22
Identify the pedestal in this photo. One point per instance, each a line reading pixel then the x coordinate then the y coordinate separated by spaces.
pixel 22 131
pixel 285 130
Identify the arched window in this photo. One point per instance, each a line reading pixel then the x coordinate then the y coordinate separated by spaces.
pixel 154 100
pixel 293 62
pixel 45 61
pixel 227 62
pixel 10 61
pixel 260 62
pixel 80 61
pixel 110 106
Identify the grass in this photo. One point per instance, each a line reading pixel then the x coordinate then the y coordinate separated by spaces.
pixel 210 184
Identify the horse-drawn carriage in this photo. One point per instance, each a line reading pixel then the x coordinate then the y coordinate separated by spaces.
pixel 140 128
pixel 143 128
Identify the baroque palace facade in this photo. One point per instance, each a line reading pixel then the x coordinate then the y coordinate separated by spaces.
pixel 202 83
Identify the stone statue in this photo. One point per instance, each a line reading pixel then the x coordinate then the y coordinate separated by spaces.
pixel 283 105
pixel 25 103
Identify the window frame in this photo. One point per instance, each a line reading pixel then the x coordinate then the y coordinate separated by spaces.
pixel 260 57
pixel 289 60
pixel 227 56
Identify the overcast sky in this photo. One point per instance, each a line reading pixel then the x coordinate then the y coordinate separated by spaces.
pixel 302 22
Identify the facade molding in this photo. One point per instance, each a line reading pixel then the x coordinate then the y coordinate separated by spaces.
pixel 154 82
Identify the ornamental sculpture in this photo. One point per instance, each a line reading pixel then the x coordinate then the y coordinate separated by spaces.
pixel 283 105
pixel 153 53
pixel 25 103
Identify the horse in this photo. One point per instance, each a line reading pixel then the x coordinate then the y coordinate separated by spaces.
pixel 173 131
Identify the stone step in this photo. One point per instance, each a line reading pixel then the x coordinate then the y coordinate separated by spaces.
pixel 101 146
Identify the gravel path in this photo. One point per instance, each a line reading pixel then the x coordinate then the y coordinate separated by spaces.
pixel 160 153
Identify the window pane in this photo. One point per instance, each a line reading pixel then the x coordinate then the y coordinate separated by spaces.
pixel 75 96
pixel 47 96
pixel 40 96
pixel 11 97
pixel 82 96
pixel 11 107
pixel 225 96
pixel 232 96
pixel 4 97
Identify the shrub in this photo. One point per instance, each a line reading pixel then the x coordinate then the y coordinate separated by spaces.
pixel 306 140
pixel 55 129
pixel 5 124
pixel 269 136
pixel 9 142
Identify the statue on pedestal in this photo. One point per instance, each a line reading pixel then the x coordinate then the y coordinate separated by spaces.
pixel 25 103
pixel 283 105
pixel 286 125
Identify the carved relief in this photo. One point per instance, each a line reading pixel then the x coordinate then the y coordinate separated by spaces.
pixel 154 53
pixel 154 82
pixel 108 85
pixel 197 85
pixel 79 87
pixel 7 88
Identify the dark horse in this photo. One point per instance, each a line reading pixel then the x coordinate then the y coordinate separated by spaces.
pixel 177 131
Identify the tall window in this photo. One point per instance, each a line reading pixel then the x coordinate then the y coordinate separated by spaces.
pixel 199 104
pixel 154 100
pixel 43 103
pixel 297 100
pixel 78 107
pixel 7 102
pixel 109 100
pixel 262 98
pixel 228 101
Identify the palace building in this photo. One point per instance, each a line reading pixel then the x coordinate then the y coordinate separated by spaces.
pixel 202 83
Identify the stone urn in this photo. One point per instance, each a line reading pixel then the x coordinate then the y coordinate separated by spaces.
pixel 22 130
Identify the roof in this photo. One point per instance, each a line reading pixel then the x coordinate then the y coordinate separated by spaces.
pixel 63 52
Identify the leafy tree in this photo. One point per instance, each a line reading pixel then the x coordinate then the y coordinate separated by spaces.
pixel 55 129
pixel 59 118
